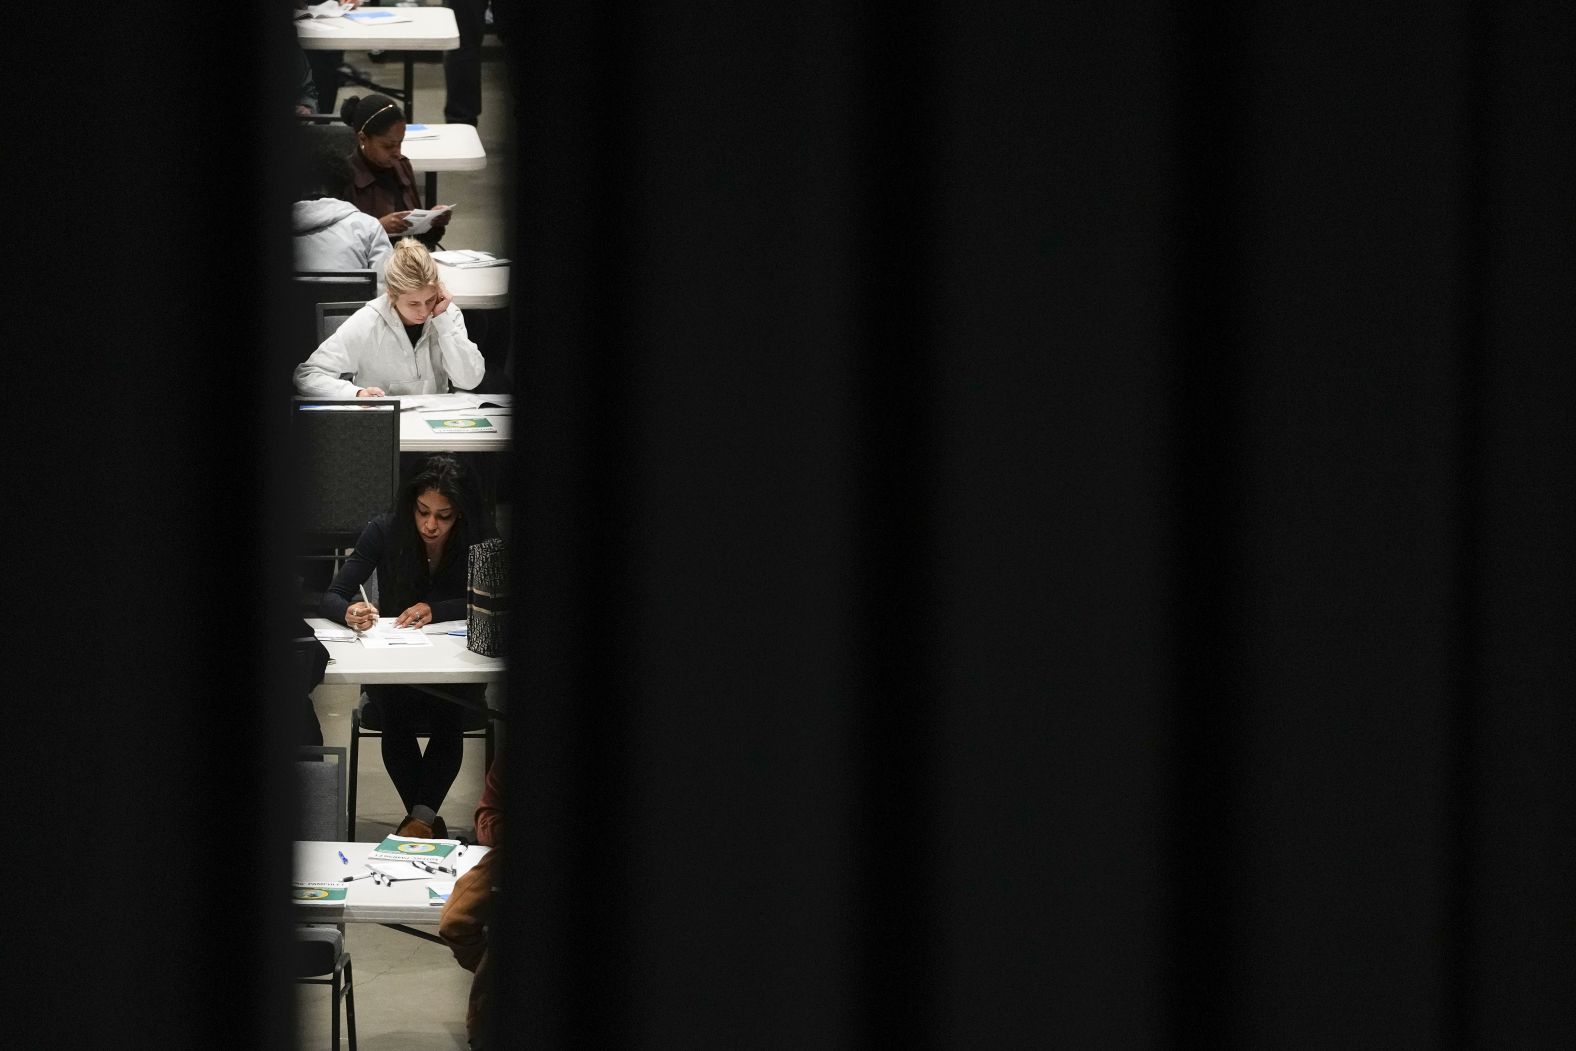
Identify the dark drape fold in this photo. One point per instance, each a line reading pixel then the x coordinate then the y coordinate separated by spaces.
pixel 150 697
pixel 1051 528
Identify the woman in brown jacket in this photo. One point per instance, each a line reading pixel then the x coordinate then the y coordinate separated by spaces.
pixel 382 182
pixel 472 904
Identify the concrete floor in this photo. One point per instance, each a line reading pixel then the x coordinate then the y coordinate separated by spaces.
pixel 410 994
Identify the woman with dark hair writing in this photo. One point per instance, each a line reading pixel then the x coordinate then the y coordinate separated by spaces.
pixel 418 551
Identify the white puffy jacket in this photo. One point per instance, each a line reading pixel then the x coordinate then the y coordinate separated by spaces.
pixel 372 348
pixel 331 234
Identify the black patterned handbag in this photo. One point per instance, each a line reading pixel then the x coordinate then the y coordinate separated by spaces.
pixel 486 598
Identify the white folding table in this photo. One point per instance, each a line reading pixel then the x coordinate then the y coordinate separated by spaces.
pixel 453 148
pixel 445 661
pixel 429 29
pixel 476 287
pixel 416 434
pixel 404 902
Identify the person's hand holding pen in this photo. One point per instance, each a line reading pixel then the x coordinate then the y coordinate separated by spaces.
pixel 361 615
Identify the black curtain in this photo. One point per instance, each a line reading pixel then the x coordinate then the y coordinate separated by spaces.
pixel 1036 527
pixel 1046 527
pixel 150 703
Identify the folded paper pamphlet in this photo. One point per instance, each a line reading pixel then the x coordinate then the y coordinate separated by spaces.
pixel 420 219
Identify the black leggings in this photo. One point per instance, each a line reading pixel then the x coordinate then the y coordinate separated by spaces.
pixel 421 778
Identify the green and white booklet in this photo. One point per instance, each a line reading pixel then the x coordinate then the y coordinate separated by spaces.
pixel 469 424
pixel 311 893
pixel 407 848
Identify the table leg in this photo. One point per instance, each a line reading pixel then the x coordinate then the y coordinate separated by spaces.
pixel 410 89
pixel 432 189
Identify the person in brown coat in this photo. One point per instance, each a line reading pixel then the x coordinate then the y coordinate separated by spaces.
pixel 382 182
pixel 469 911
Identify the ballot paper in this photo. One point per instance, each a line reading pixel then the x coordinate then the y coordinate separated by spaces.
pixel 420 219
pixel 384 635
pixel 420 131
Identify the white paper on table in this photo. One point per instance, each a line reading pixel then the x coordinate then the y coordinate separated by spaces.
pixel 420 219
pixel 420 131
pixel 384 635
pixel 467 258
pixel 399 870
pixel 449 403
pixel 466 858
pixel 444 627
pixel 326 9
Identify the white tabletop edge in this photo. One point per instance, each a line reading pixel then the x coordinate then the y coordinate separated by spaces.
pixel 429 29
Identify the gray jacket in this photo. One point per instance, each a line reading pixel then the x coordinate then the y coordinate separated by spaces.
pixel 331 234
pixel 372 348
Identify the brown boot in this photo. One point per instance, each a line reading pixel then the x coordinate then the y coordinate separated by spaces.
pixel 422 823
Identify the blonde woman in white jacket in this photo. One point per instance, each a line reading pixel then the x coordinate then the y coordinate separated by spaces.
pixel 411 340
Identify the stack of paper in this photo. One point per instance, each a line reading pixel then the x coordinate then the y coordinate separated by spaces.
pixel 468 258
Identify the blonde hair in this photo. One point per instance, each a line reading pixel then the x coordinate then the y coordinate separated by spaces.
pixel 410 268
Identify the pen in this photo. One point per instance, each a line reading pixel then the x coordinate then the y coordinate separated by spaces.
pixel 342 857
pixel 363 875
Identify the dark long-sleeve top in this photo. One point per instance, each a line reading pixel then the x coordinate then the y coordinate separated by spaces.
pixel 443 590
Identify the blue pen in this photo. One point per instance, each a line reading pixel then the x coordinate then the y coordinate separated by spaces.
pixel 342 857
